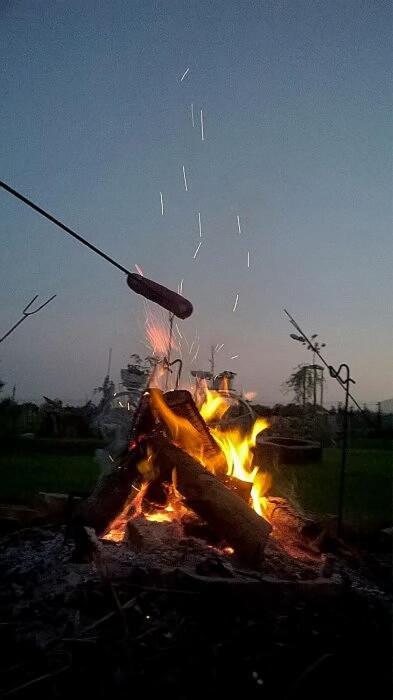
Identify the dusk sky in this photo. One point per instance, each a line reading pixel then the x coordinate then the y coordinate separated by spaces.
pixel 95 123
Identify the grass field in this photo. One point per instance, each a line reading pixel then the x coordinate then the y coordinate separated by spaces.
pixel 28 469
pixel 368 487
pixel 48 465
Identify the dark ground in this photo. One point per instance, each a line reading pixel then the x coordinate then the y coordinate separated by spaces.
pixel 177 638
pixel 184 645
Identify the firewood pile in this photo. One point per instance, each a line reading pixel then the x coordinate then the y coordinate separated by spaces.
pixel 166 580
pixel 168 437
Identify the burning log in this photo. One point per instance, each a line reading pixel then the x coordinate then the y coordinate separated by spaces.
pixel 183 406
pixel 109 496
pixel 226 513
pixel 294 528
pixel 113 491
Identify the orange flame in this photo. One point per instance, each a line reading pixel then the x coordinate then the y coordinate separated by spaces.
pixel 214 406
pixel 181 430
pixel 238 450
pixel 174 509
pixel 132 508
pixel 236 445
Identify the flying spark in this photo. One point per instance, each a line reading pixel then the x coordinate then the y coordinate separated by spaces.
pixel 238 225
pixel 234 357
pixel 184 75
pixel 202 127
pixel 181 287
pixel 235 304
pixel 139 270
pixel 192 115
pixel 185 179
pixel 197 250
pixel 248 259
pixel 219 347
pixel 196 355
pixel 199 224
pixel 162 204
pixel 177 328
pixel 120 404
pixel 111 458
pixel 192 345
pixel 186 341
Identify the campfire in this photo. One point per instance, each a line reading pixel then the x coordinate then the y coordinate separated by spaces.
pixel 195 464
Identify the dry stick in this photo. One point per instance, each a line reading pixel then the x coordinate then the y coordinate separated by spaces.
pixel 34 681
pixel 103 571
pixel 160 589
pixel 129 604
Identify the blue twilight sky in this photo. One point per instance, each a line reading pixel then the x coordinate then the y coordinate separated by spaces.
pixel 95 123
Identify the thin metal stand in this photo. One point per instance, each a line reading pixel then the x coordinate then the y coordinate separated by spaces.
pixel 345 380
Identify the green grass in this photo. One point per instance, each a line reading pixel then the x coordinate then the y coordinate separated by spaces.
pixel 368 487
pixel 25 469
pixel 23 475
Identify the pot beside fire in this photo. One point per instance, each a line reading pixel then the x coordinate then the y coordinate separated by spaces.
pixel 284 450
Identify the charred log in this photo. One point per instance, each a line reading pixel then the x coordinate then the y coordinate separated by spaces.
pixel 226 513
pixel 109 497
pixel 182 405
pixel 292 527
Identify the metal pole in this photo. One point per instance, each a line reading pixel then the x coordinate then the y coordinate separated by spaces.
pixel 169 349
pixel 312 347
pixel 314 384
pixel 344 451
pixel 108 371
pixel 212 361
pixel 322 380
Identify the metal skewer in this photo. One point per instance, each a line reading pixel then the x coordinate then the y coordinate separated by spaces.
pixel 171 301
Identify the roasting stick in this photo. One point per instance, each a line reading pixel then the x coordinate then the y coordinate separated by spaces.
pixel 26 314
pixel 166 298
